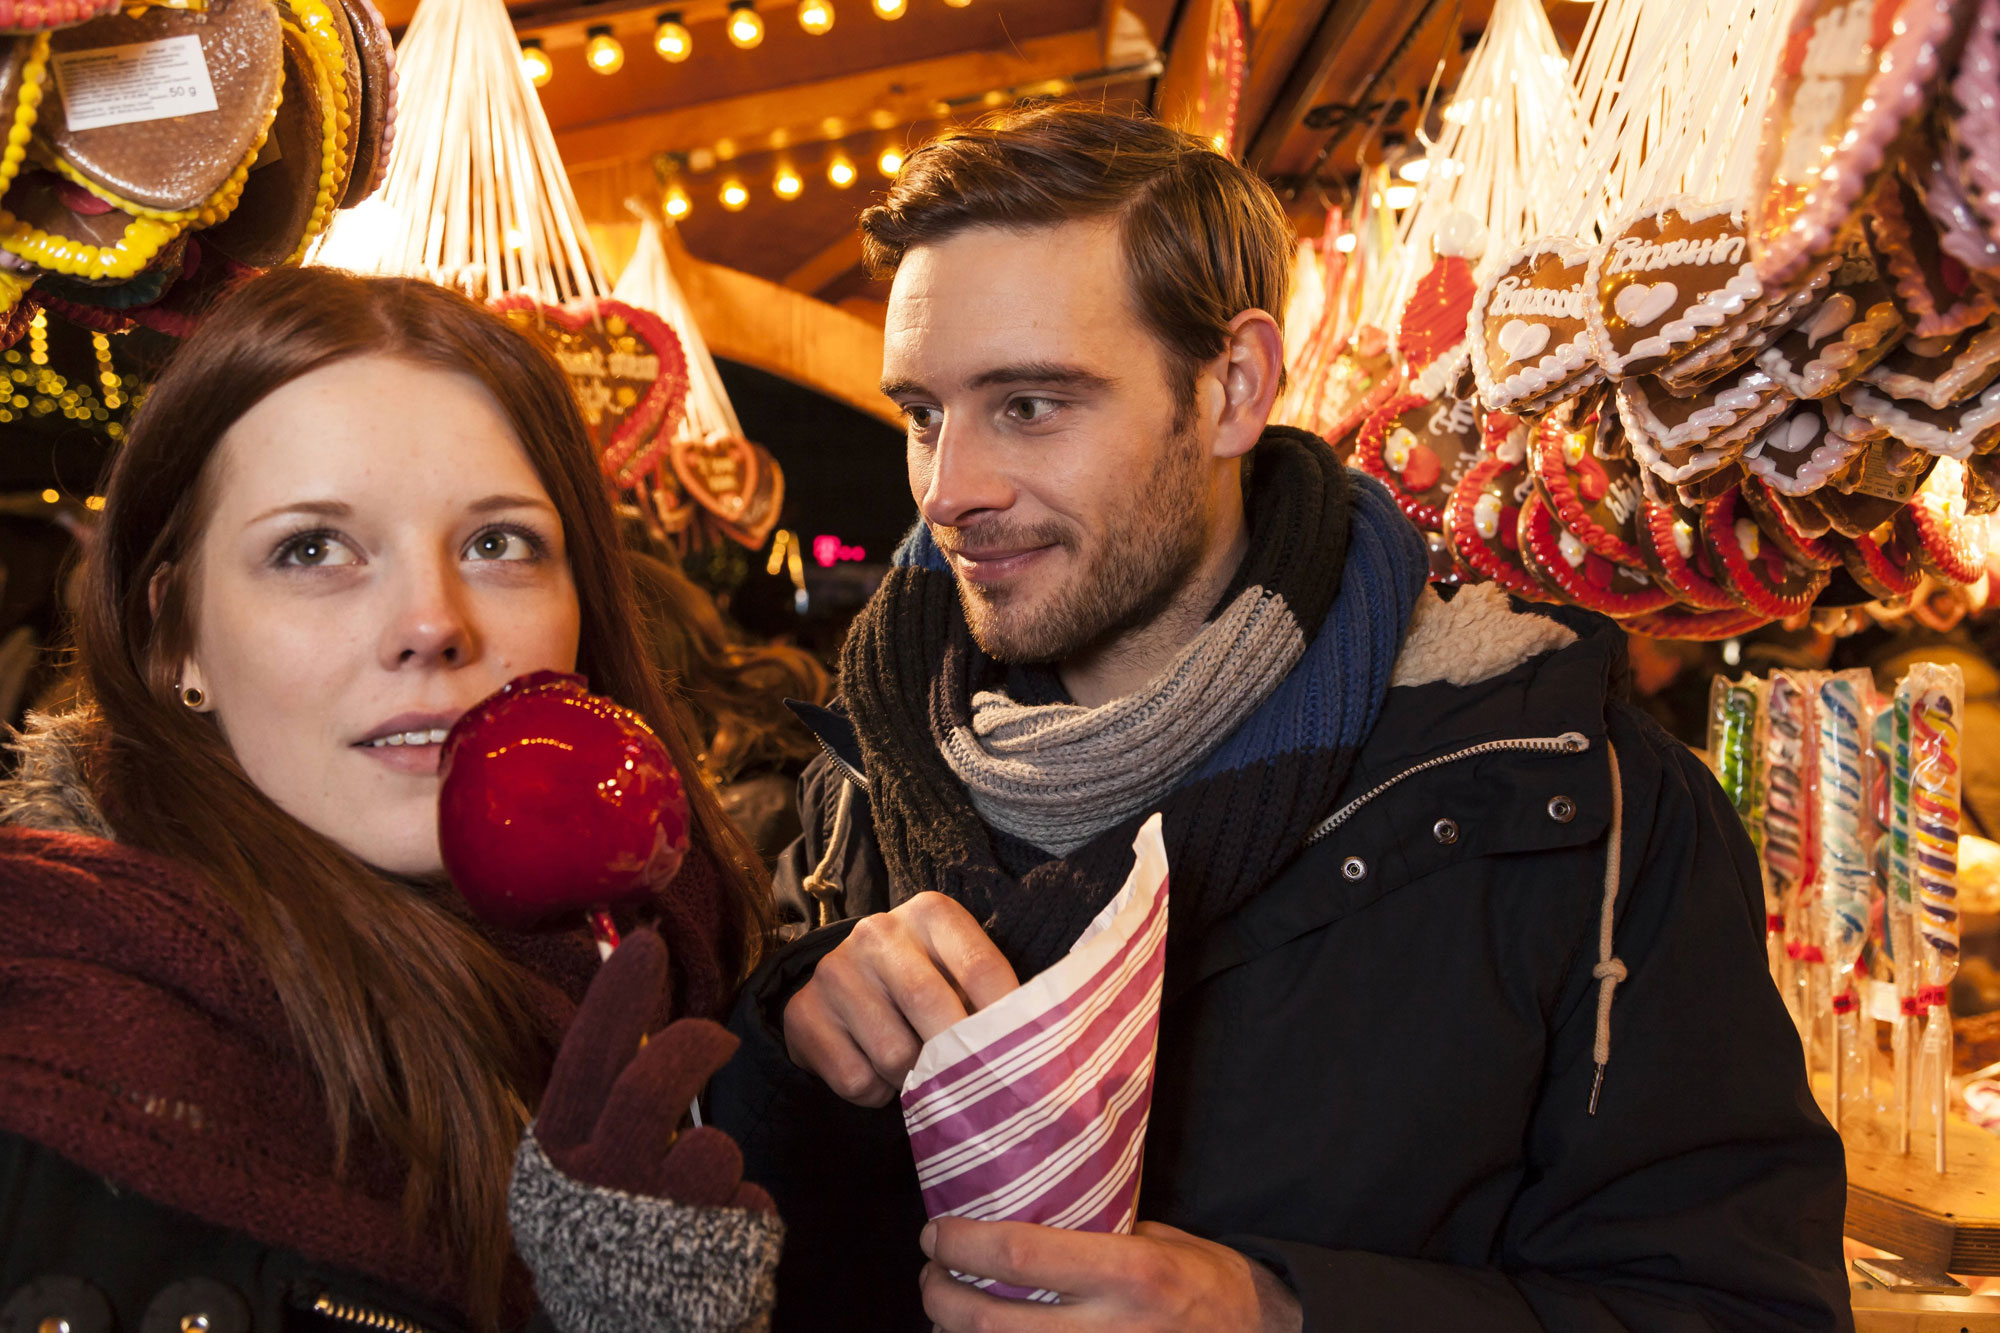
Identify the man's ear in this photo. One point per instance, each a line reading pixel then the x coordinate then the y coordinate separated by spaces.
pixel 1250 370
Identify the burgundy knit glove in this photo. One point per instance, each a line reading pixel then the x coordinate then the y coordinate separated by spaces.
pixel 612 1114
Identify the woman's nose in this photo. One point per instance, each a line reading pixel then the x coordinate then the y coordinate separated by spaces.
pixel 430 624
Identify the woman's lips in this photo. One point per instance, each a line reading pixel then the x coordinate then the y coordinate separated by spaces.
pixel 997 566
pixel 418 759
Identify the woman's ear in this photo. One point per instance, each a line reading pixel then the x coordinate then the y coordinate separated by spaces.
pixel 188 682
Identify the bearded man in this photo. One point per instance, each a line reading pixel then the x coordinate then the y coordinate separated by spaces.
pixel 1416 844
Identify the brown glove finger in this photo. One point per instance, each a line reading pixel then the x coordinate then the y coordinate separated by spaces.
pixel 601 1041
pixel 704 1168
pixel 650 1098
pixel 753 1196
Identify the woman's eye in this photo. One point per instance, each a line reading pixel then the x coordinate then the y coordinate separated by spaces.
pixel 500 544
pixel 316 550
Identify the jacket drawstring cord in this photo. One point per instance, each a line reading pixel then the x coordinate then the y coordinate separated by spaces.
pixel 1610 969
pixel 822 883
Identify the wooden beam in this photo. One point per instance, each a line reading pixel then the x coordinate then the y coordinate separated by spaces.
pixel 1276 43
pixel 774 328
pixel 843 255
pixel 881 98
pixel 1301 84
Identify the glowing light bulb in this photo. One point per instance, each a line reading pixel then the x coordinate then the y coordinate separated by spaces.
pixel 734 196
pixel 840 172
pixel 890 162
pixel 1345 242
pixel 891 9
pixel 602 51
pixel 678 205
pixel 49 497
pixel 746 26
pixel 1400 197
pixel 672 39
pixel 958 4
pixel 535 63
pixel 816 16
pixel 517 238
pixel 1414 170
pixel 786 184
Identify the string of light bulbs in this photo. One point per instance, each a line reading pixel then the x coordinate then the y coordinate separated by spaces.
pixel 673 43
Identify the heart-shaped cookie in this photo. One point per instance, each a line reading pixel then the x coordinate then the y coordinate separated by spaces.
pixel 1521 340
pixel 1934 291
pixel 1482 523
pixel 1795 523
pixel 744 519
pixel 1958 431
pixel 1852 76
pixel 1529 328
pixel 1348 388
pixel 1683 437
pixel 1947 543
pixel 1670 538
pixel 1884 560
pixel 1943 370
pixel 1854 326
pixel 1971 112
pixel 1420 448
pixel 1669 281
pixel 1587 473
pixel 627 368
pixel 1802 450
pixel 1580 575
pixel 1755 568
pixel 720 475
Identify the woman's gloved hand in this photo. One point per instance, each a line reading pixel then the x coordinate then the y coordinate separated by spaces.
pixel 627 1220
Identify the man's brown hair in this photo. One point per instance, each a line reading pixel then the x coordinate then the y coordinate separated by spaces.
pixel 1204 239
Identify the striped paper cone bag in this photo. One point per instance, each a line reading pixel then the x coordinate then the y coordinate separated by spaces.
pixel 1034 1109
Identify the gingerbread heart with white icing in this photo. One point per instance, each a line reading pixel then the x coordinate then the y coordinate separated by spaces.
pixel 627 369
pixel 1529 329
pixel 1943 370
pixel 1852 76
pixel 1958 431
pixel 1855 325
pixel 1801 451
pixel 1934 290
pixel 736 481
pixel 1668 282
pixel 1683 438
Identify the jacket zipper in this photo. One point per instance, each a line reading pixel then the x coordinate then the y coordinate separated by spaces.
pixel 847 770
pixel 362 1316
pixel 1570 742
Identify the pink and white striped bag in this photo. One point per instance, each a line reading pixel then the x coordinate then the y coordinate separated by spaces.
pixel 1034 1109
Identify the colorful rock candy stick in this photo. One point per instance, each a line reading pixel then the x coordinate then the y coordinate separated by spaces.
pixel 1788 828
pixel 1892 869
pixel 1845 886
pixel 1736 748
pixel 1936 697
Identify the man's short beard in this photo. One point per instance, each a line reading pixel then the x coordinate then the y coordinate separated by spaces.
pixel 1139 566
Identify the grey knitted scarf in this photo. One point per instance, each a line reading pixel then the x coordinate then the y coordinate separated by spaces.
pixel 1056 775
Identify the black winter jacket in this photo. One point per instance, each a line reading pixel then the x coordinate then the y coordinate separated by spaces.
pixel 1377 1078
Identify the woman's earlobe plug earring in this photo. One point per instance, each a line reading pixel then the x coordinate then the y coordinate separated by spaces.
pixel 193 697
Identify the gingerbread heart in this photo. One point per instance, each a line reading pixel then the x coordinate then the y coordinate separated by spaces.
pixel 1958 431
pixel 1801 451
pixel 1421 448
pixel 1971 113
pixel 1755 568
pixel 1854 326
pixel 1948 544
pixel 1884 561
pixel 1670 538
pixel 1681 438
pixel 1668 282
pixel 1696 626
pixel 1935 291
pixel 744 517
pixel 1855 513
pixel 1796 523
pixel 1853 74
pixel 1561 559
pixel 1482 523
pixel 627 368
pixel 1943 370
pixel 720 475
pixel 1529 328
pixel 1587 473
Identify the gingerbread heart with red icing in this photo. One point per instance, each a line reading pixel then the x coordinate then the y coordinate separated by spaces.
pixel 1755 568
pixel 1579 574
pixel 1670 537
pixel 626 367
pixel 745 518
pixel 1884 560
pixel 1948 543
pixel 1585 469
pixel 1482 522
pixel 1421 448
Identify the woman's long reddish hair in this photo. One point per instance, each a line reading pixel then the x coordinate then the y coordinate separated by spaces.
pixel 420 1032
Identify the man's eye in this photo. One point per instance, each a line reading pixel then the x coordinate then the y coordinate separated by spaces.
pixel 1033 409
pixel 921 418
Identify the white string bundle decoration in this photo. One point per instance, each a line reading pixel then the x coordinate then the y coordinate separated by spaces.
pixel 648 282
pixel 1673 96
pixel 1510 132
pixel 476 195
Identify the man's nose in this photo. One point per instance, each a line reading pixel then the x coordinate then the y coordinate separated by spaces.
pixel 965 477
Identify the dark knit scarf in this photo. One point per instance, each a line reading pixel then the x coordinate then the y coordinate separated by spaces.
pixel 141 1040
pixel 1329 541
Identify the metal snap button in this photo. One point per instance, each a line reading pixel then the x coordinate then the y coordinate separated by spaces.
pixel 1354 868
pixel 1445 831
pixel 1562 809
pixel 194 1323
pixel 53 1325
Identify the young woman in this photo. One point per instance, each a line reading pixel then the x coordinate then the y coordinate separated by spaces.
pixel 259 1069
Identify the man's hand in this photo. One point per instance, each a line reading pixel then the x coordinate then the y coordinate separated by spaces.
pixel 898 980
pixel 1158 1280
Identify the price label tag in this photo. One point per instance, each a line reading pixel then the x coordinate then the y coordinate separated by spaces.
pixel 127 85
pixel 1882 1006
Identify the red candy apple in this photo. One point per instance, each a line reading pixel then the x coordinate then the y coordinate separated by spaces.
pixel 556 801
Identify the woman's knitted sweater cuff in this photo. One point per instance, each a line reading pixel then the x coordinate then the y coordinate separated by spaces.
pixel 605 1261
